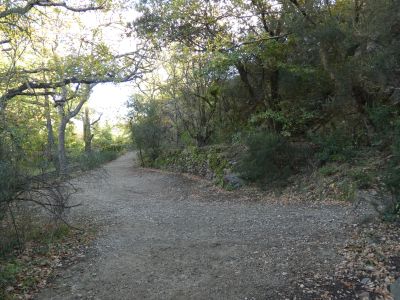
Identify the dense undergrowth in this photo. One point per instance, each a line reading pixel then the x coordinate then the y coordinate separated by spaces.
pixel 308 89
pixel 27 267
pixel 323 167
pixel 34 203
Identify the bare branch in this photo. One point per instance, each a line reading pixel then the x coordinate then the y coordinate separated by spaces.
pixel 97 120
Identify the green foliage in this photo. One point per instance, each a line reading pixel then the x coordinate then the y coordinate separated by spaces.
pixel 383 119
pixel 95 159
pixel 147 130
pixel 104 139
pixel 208 162
pixel 269 158
pixel 217 163
pixel 363 178
pixel 8 273
pixel 287 120
pixel 347 190
pixel 8 181
pixel 328 170
pixel 44 238
pixel 336 145
pixel 392 176
pixel 381 116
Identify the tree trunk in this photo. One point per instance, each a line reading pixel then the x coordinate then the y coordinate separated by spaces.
pixel 274 78
pixel 362 98
pixel 64 119
pixel 245 79
pixel 87 132
pixel 62 156
pixel 50 147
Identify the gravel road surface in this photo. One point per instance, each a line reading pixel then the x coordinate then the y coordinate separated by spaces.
pixel 166 236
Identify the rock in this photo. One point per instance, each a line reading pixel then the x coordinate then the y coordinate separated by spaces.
pixel 395 289
pixel 369 268
pixel 365 281
pixel 364 296
pixel 209 175
pixel 233 180
pixel 395 97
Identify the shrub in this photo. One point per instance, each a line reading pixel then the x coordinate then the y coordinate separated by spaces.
pixel 9 182
pixel 94 159
pixel 379 115
pixel 148 132
pixel 336 145
pixel 328 170
pixel 362 178
pixel 269 158
pixel 392 176
pixel 347 190
pixel 8 274
pixel 382 117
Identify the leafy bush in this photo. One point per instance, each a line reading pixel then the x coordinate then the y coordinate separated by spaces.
pixel 347 190
pixel 328 170
pixel 89 161
pixel 336 145
pixel 270 158
pixel 9 182
pixel 363 178
pixel 392 176
pixel 147 132
pixel 8 274
pixel 379 115
pixel 382 118
pixel 6 180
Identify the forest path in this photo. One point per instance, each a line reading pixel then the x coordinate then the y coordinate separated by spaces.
pixel 164 236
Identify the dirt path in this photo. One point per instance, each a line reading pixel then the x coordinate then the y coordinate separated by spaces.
pixel 167 237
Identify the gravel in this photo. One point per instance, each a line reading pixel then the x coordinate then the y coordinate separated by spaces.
pixel 166 236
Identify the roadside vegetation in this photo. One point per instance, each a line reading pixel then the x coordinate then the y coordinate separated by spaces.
pixel 48 132
pixel 297 93
pixel 294 97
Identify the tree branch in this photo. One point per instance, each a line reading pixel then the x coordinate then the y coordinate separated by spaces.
pixel 77 109
pixel 302 11
pixel 22 10
pixel 71 8
pixel 5 41
pixel 261 40
pixel 97 120
pixel 11 93
pixel 19 10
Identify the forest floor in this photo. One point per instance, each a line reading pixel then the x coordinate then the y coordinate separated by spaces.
pixel 168 236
